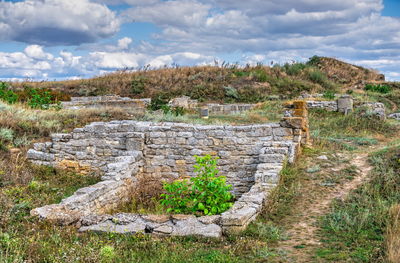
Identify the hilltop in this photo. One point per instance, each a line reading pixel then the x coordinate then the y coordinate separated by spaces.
pixel 225 83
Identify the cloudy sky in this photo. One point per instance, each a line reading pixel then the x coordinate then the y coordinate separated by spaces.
pixel 63 39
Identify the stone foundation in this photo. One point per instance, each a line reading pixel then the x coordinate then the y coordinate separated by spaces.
pixel 78 103
pixel 251 157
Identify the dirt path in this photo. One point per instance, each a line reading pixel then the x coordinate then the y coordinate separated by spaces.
pixel 302 228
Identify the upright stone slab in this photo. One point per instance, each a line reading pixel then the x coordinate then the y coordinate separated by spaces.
pixel 345 104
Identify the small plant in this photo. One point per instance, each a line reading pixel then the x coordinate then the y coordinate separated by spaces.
pixel 178 111
pixel 231 92
pixel 206 193
pixel 330 95
pixel 107 253
pixel 6 134
pixel 138 85
pixel 378 88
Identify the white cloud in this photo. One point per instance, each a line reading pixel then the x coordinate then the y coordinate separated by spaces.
pixel 56 22
pixel 197 31
pixel 36 52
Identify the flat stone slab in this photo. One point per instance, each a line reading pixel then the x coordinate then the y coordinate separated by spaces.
pixel 177 225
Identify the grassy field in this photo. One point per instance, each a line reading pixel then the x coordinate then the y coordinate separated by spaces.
pixel 24 186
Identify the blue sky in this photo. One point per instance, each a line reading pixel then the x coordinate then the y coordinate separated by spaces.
pixel 59 39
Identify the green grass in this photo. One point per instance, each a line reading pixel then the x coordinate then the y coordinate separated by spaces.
pixel 354 229
pixel 334 130
pixel 25 238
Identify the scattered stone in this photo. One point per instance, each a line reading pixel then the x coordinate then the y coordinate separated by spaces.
pixel 322 157
pixel 314 169
pixel 395 116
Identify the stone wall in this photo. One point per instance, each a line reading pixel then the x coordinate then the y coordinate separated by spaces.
pixel 227 109
pixel 322 104
pixel 374 108
pixel 251 157
pixel 168 148
pixel 213 108
pixel 106 101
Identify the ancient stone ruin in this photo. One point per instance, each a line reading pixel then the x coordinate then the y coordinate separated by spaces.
pixel 78 103
pixel 251 157
pixel 213 108
pixel 345 104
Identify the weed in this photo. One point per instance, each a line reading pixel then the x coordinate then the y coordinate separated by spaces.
pixel 107 253
pixel 266 231
pixel 330 95
pixel 6 135
pixel 378 88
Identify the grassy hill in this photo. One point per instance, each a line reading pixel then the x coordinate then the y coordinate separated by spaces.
pixel 226 83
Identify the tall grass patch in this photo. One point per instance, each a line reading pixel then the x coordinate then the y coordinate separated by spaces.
pixel 355 229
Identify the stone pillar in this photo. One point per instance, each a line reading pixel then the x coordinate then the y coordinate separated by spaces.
pixel 345 104
pixel 299 122
pixel 204 113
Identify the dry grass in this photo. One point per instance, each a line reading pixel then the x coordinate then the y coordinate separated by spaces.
pixel 252 83
pixel 393 235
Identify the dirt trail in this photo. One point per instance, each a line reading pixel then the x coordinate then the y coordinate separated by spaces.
pixel 302 227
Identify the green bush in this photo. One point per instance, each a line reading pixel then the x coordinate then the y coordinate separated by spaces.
pixel 206 193
pixel 158 103
pixel 6 94
pixel 314 61
pixel 378 88
pixel 39 99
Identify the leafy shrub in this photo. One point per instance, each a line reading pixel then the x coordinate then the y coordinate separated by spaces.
pixel 39 99
pixel 206 193
pixel 6 94
pixel 378 88
pixel 158 103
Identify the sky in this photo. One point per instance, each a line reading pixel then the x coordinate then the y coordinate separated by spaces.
pixel 71 39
